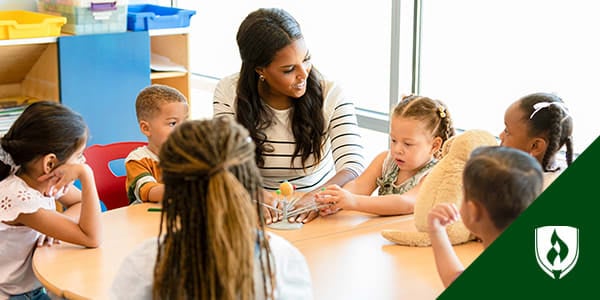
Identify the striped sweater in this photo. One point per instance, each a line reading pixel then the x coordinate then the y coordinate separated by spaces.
pixel 342 148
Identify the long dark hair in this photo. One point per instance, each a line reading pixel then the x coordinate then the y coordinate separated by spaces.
pixel 212 227
pixel 261 35
pixel 44 127
pixel 552 121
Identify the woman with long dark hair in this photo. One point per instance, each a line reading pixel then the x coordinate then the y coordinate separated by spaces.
pixel 304 128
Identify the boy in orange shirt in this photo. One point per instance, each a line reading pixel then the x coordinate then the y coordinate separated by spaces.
pixel 159 109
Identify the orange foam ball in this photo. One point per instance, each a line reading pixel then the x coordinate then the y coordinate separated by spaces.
pixel 286 188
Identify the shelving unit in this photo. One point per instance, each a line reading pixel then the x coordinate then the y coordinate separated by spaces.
pixel 97 75
pixel 29 69
pixel 173 44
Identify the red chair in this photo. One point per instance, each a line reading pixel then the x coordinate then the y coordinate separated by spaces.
pixel 111 187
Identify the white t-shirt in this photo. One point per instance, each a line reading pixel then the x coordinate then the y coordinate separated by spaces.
pixel 17 243
pixel 135 276
pixel 342 147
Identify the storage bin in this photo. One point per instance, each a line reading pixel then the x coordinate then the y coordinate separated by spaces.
pixel 88 16
pixel 18 24
pixel 146 16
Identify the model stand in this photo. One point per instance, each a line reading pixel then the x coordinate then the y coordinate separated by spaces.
pixel 287 207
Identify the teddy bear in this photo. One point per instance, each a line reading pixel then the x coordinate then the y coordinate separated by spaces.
pixel 443 184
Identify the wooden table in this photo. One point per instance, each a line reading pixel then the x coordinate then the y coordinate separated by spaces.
pixel 346 255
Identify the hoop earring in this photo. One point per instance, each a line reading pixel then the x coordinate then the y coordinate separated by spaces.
pixel 261 78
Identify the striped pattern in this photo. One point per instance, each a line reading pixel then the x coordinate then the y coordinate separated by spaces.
pixel 342 149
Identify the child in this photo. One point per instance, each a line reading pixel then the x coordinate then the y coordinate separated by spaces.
pixel 159 108
pixel 540 124
pixel 499 184
pixel 212 243
pixel 418 128
pixel 40 157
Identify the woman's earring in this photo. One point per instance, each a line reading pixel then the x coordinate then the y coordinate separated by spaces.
pixel 261 78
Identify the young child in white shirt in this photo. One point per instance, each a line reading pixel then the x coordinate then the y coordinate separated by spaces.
pixel 212 243
pixel 40 157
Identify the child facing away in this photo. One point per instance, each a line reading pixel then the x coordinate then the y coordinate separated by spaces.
pixel 499 183
pixel 40 157
pixel 212 243
pixel 418 128
pixel 159 108
pixel 540 124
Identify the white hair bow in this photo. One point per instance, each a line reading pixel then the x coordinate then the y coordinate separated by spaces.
pixel 541 105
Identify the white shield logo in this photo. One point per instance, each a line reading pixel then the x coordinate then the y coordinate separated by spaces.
pixel 556 249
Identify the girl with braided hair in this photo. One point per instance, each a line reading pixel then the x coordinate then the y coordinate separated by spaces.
pixel 540 124
pixel 418 128
pixel 212 243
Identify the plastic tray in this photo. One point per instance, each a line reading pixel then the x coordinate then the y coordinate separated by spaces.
pixel 88 16
pixel 19 24
pixel 147 16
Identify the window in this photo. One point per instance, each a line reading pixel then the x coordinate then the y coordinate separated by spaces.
pixel 480 56
pixel 477 56
pixel 349 41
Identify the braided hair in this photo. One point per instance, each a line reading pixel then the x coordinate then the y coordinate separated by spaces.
pixel 212 227
pixel 434 113
pixel 547 116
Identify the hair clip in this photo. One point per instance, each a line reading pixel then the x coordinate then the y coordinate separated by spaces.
pixel 541 105
pixel 442 111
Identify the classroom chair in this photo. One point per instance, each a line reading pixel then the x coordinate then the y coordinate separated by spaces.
pixel 110 180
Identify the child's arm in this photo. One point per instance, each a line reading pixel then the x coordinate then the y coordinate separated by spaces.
pixel 356 195
pixel 380 205
pixel 87 230
pixel 448 265
pixel 366 183
pixel 156 193
pixel 141 183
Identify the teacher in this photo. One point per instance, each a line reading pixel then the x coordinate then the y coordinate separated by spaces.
pixel 304 128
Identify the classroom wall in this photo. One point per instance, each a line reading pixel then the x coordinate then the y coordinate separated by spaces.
pixel 18 5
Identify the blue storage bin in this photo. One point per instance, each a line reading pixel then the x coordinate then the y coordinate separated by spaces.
pixel 147 16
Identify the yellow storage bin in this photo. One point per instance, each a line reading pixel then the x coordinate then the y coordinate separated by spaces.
pixel 19 24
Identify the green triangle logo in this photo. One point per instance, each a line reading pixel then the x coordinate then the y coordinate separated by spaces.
pixel 547 253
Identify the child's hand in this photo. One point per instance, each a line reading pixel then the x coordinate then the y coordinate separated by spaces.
pixel 442 215
pixel 62 177
pixel 47 240
pixel 337 197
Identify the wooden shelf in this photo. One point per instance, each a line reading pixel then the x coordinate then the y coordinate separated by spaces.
pixel 42 40
pixel 172 43
pixel 29 68
pixel 162 75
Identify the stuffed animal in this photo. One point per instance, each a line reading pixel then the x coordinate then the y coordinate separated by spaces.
pixel 443 184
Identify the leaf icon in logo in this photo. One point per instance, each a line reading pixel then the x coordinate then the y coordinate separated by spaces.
pixel 563 250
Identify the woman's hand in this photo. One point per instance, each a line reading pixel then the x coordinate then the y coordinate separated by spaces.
pixel 442 215
pixel 337 197
pixel 307 199
pixel 270 215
